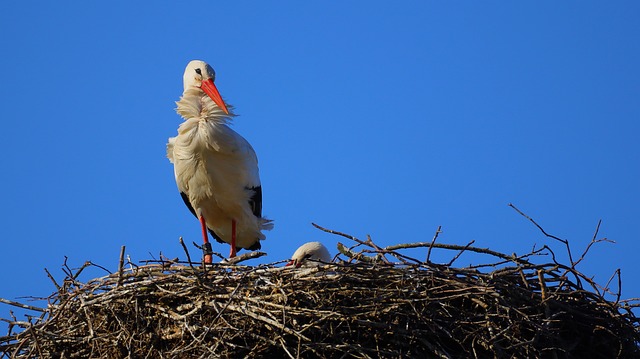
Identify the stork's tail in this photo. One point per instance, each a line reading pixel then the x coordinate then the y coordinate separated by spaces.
pixel 266 224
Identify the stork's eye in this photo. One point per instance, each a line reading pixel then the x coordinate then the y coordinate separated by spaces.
pixel 199 72
pixel 307 256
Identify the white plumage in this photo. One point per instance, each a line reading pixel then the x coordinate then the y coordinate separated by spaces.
pixel 216 169
pixel 308 254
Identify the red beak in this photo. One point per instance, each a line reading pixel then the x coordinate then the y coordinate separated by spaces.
pixel 293 263
pixel 210 89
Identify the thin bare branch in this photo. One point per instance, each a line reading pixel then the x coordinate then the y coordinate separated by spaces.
pixel 186 252
pixel 243 257
pixel 566 242
pixel 21 305
pixel 121 266
pixel 433 241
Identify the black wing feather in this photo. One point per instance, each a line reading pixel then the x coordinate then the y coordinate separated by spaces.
pixel 256 201
pixel 256 207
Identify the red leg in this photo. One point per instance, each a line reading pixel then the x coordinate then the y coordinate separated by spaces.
pixel 205 238
pixel 233 239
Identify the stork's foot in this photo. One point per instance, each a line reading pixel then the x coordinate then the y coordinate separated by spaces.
pixel 207 251
pixel 233 252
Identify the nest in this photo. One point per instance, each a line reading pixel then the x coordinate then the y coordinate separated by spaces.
pixel 363 305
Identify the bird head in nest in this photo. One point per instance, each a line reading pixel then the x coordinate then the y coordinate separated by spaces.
pixel 309 254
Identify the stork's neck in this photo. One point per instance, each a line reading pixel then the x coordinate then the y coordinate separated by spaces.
pixel 194 103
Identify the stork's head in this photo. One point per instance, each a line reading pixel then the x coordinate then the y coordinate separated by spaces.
pixel 312 250
pixel 199 74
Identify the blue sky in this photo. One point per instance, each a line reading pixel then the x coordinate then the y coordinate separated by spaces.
pixel 379 118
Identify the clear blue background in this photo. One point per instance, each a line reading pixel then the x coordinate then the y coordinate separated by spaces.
pixel 381 118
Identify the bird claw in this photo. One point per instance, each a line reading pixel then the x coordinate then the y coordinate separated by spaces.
pixel 207 251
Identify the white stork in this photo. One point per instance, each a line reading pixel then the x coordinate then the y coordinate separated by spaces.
pixel 216 169
pixel 312 250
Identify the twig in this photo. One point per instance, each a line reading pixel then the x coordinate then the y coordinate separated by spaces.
pixel 358 256
pixel 186 251
pixel 510 258
pixel 121 266
pixel 35 339
pixel 543 285
pixel 20 305
pixel 337 233
pixel 88 263
pixel 606 287
pixel 380 251
pixel 459 253
pixel 433 241
pixel 594 240
pixel 566 242
pixel 53 280
pixel 243 257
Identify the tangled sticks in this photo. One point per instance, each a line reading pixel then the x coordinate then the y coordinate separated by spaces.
pixel 363 305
